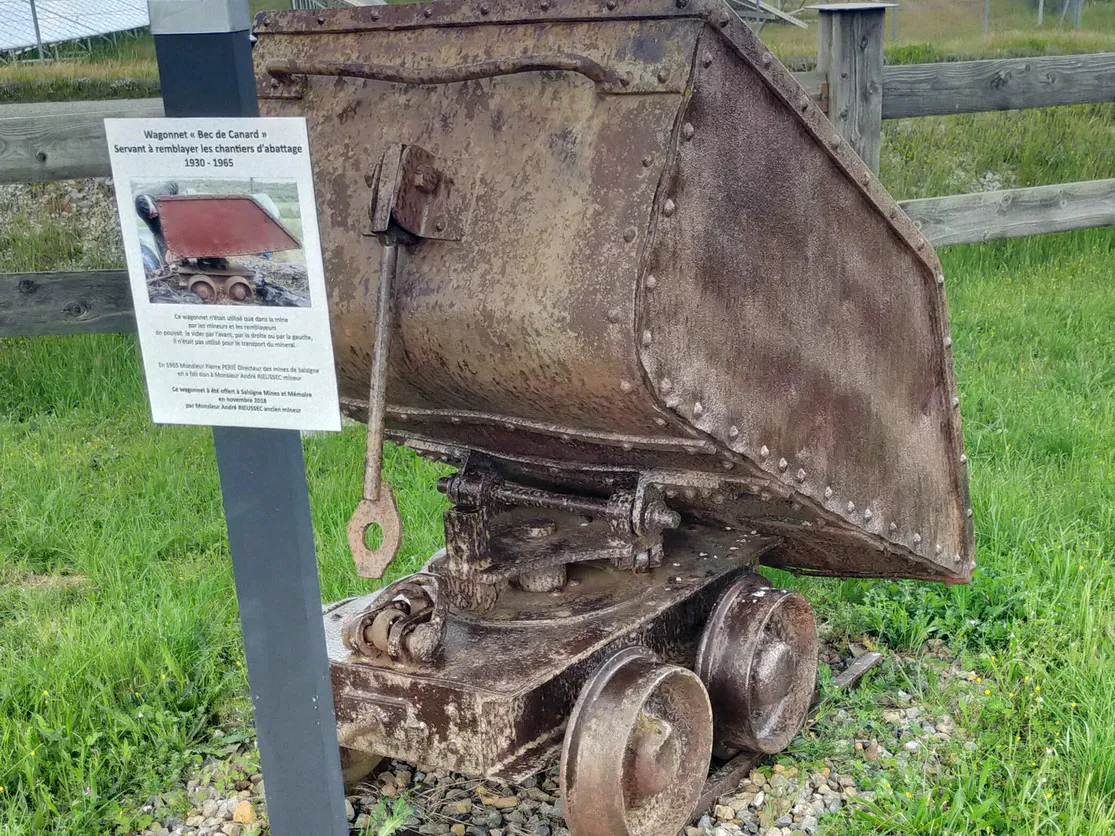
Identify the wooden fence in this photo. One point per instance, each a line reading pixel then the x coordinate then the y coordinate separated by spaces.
pixel 44 142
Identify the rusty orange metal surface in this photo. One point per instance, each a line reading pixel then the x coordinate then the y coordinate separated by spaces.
pixel 671 264
pixel 210 226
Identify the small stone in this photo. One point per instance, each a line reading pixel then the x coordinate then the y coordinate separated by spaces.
pixel 244 813
pixel 402 779
pixel 458 829
pixel 783 821
pixel 462 807
pixel 723 812
pixel 389 790
pixel 911 746
pixel 873 752
pixel 363 822
pixel 350 811
pixel 231 828
pixel 210 808
pixel 759 799
pixel 504 803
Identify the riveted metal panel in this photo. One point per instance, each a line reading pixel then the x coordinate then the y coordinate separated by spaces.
pixel 673 264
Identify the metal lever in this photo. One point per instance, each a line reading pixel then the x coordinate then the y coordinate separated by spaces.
pixel 378 504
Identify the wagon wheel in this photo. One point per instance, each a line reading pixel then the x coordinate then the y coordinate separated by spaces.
pixel 238 290
pixel 637 748
pixel 204 287
pixel 758 659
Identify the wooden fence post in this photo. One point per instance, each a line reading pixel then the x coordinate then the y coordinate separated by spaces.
pixel 850 53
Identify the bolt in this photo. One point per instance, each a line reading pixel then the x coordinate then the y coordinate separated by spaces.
pixel 968 513
pixel 783 464
pixel 668 207
pixel 274 83
pixel 948 342
pixel 485 8
pixel 625 386
pixel 851 507
pixel 687 130
pixel 320 19
pixel 733 431
pixel 724 18
pixel 545 4
pixel 764 451
pixel 828 492
pixel 611 4
pixel 767 59
pixel 629 234
pixel 893 527
pixel 867 514
pixel 707 59
pixel 956 401
pixel 660 421
pixel 426 12
pixel 646 338
pixel 937 549
pixel 440 226
pixel 698 410
pixel 956 559
pixel 663 76
pixel 963 458
pixel 666 385
pixel 801 474
pixel 917 538
pixel 613 315
pixel 647 160
pixel 835 141
pixel 651 282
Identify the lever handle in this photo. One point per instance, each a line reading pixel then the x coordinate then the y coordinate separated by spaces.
pixel 378 504
pixel 567 62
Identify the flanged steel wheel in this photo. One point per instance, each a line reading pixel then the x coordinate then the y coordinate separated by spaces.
pixel 758 659
pixel 637 748
pixel 204 288
pixel 238 290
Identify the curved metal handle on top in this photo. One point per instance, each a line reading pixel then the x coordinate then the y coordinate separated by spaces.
pixel 566 62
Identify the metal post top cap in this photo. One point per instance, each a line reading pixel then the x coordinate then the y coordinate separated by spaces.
pixel 198 17
pixel 851 7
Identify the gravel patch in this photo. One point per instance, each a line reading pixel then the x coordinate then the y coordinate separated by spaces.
pixel 224 796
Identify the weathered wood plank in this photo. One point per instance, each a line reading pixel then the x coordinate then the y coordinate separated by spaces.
pixel 1012 213
pixel 61 140
pixel 65 302
pixel 850 50
pixel 999 84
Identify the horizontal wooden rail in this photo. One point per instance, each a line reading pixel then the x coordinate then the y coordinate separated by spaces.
pixel 61 140
pixel 1013 213
pixel 100 301
pixel 65 302
pixel 1000 84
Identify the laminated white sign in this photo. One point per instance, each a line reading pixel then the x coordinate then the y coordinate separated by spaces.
pixel 224 259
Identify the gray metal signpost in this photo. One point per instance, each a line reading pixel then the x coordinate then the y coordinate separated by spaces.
pixel 205 69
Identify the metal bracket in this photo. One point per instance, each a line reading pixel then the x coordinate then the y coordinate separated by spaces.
pixel 419 193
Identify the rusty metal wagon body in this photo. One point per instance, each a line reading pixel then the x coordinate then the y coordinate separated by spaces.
pixel 203 230
pixel 611 261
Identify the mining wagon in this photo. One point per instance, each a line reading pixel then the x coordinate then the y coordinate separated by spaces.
pixel 608 260
pixel 202 232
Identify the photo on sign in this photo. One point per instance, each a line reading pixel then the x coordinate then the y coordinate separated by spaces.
pixel 221 242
